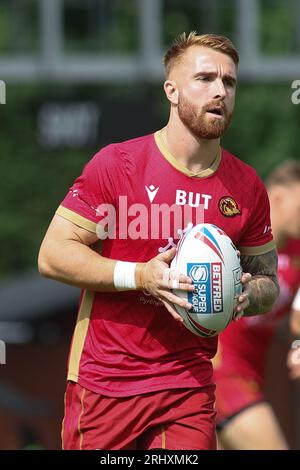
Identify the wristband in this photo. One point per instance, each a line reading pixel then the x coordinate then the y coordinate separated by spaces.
pixel 124 275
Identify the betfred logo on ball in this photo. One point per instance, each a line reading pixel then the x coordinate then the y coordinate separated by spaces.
pixel 207 255
pixel 207 278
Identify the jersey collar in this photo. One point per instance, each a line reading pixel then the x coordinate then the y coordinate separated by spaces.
pixel 179 166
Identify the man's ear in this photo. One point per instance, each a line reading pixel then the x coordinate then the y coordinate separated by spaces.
pixel 171 91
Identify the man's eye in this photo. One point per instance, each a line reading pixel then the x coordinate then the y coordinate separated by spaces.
pixel 204 79
pixel 229 83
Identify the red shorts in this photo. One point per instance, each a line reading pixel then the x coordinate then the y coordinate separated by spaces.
pixel 234 393
pixel 169 419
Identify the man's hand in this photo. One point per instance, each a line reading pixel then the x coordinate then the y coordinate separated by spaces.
pixel 262 289
pixel 156 278
pixel 243 300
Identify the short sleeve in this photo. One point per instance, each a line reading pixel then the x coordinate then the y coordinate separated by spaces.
pixel 257 238
pixel 95 188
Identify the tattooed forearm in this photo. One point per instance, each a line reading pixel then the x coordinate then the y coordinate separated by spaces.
pixel 263 287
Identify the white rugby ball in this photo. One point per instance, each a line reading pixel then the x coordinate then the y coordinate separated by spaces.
pixel 208 256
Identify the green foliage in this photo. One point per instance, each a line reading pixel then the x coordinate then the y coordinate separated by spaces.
pixel 278 27
pixel 265 126
pixel 103 25
pixel 33 182
pixel 19 26
pixel 201 16
pixel 4 28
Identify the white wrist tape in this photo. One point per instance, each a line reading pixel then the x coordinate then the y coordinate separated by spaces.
pixel 124 275
pixel 296 302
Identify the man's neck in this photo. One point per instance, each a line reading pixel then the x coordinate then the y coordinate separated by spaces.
pixel 194 153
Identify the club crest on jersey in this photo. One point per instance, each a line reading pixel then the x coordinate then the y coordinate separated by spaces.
pixel 229 207
pixel 208 295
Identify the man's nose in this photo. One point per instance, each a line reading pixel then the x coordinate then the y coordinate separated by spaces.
pixel 219 91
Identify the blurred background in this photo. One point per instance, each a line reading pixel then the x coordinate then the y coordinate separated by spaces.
pixel 80 74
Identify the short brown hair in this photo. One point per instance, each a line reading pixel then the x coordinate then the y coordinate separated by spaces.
pixel 212 41
pixel 285 174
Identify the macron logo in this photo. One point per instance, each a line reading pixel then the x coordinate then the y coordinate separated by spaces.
pixel 152 191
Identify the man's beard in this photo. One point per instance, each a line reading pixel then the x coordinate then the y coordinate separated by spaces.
pixel 199 123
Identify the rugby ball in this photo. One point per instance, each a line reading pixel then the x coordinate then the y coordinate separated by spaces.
pixel 208 256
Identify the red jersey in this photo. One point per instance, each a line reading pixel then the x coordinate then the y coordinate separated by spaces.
pixel 126 343
pixel 244 344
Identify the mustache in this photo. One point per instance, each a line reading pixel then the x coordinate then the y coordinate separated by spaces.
pixel 213 105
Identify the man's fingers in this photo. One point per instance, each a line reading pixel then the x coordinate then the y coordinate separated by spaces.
pixel 167 256
pixel 243 305
pixel 166 295
pixel 172 280
pixel 175 285
pixel 246 277
pixel 172 311
pixel 239 315
pixel 181 283
pixel 187 287
pixel 185 279
pixel 243 297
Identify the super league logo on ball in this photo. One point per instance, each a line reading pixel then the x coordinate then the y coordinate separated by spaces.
pixel 199 273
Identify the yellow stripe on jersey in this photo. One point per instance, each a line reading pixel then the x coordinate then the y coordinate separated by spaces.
pixel 80 334
pixel 179 166
pixel 76 219
pixel 163 438
pixel 257 250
